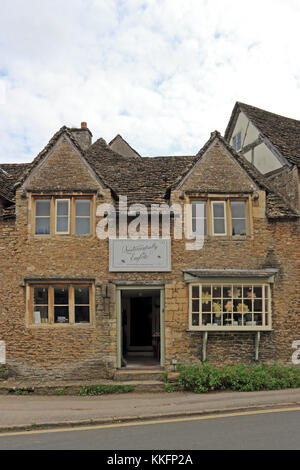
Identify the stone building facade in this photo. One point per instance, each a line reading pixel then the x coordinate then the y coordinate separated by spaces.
pixel 69 308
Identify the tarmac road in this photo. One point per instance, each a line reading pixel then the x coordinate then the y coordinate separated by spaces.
pixel 252 430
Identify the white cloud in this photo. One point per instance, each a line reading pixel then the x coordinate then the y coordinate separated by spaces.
pixel 2 92
pixel 163 73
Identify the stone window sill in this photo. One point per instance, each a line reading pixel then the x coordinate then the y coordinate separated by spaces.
pixel 61 325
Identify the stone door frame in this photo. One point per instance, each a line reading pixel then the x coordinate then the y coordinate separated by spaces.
pixel 119 290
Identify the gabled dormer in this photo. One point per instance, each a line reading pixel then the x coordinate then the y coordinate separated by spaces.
pixel 271 143
pixel 224 190
pixel 60 189
pixel 267 140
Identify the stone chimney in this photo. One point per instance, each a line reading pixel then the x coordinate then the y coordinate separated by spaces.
pixel 83 136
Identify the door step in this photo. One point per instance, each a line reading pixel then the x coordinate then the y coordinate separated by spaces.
pixel 144 385
pixel 138 375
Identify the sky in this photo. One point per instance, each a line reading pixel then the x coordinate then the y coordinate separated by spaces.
pixel 162 73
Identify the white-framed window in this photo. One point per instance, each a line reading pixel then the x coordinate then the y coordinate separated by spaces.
pixel 69 215
pixel 62 216
pixel 199 217
pixel 82 216
pixel 238 218
pixel 237 142
pixel 230 305
pixel 42 216
pixel 218 218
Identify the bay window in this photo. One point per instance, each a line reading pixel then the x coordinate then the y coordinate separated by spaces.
pixel 230 305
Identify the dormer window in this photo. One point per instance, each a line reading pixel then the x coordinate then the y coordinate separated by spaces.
pixel 238 218
pixel 221 217
pixel 237 142
pixel 82 216
pixel 42 216
pixel 199 217
pixel 218 218
pixel 60 216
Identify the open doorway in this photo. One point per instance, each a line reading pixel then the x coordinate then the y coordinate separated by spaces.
pixel 140 327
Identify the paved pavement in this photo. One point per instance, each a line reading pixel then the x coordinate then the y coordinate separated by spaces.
pixel 26 411
pixel 252 430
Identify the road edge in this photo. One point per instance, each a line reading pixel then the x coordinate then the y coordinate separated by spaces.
pixel 139 418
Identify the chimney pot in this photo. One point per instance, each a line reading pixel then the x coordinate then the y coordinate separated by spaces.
pixel 83 125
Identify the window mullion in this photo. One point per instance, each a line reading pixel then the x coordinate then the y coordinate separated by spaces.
pixel 51 304
pixel 72 216
pixel 229 221
pixel 71 305
pixel 31 304
pixel 209 217
pixel 263 306
pixel 200 303
pixel 52 216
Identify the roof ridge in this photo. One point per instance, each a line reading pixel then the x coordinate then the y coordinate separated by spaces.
pixel 48 146
pixel 266 111
pixel 125 141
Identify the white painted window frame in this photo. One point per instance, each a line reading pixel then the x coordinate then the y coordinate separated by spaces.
pixel 42 217
pixel 83 216
pixel 218 218
pixel 265 315
pixel 198 218
pixel 56 216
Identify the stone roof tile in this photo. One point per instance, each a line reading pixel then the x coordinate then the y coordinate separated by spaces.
pixel 282 132
pixel 148 179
